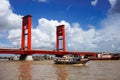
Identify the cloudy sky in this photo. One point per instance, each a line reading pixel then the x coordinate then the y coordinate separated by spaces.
pixel 91 25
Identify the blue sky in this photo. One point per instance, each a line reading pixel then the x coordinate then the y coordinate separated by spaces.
pixel 91 25
pixel 71 10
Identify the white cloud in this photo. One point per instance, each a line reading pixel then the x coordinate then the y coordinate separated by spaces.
pixel 42 0
pixel 94 2
pixel 112 2
pixel 109 34
pixel 44 36
pixel 91 26
pixel 2 45
pixel 8 19
pixel 115 9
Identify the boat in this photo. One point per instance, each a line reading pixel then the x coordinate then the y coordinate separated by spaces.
pixel 70 59
pixel 105 56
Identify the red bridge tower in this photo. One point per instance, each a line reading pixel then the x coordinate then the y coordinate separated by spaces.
pixel 26 37
pixel 60 37
pixel 26 33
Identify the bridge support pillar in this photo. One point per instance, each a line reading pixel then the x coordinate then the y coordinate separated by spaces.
pixel 26 57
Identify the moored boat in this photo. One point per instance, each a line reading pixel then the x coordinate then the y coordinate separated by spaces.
pixel 106 56
pixel 68 59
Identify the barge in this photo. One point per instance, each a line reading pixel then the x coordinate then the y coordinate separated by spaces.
pixel 106 56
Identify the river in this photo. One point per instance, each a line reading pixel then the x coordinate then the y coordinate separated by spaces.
pixel 47 70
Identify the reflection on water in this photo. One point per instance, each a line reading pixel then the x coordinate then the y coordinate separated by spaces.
pixel 46 70
pixel 8 70
pixel 61 72
pixel 25 71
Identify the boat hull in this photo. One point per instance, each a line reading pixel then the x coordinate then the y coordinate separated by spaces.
pixel 70 61
pixel 95 58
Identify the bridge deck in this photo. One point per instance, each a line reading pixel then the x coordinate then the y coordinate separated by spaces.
pixel 18 51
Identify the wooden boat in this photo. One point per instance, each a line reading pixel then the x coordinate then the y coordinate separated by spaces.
pixel 70 60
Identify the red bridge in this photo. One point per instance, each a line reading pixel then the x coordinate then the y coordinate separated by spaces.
pixel 26 48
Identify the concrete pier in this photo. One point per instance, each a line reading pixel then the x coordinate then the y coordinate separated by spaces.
pixel 26 57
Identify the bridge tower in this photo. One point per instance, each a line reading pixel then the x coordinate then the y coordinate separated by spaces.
pixel 26 37
pixel 26 33
pixel 60 39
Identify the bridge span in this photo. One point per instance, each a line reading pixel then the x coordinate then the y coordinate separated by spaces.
pixel 26 50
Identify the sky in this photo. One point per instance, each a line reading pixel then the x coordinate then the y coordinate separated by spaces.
pixel 91 25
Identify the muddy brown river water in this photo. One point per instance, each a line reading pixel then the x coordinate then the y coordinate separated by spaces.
pixel 47 70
